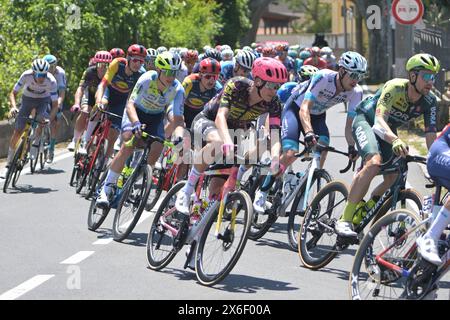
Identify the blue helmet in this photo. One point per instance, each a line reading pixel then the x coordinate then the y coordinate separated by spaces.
pixel 51 59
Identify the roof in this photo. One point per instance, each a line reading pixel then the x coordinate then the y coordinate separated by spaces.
pixel 280 11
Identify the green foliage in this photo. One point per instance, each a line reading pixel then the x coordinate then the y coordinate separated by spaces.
pixel 31 29
pixel 317 16
pixel 236 20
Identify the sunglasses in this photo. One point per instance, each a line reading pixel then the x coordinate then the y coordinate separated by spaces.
pixel 40 75
pixel 136 60
pixel 272 85
pixel 211 76
pixel 169 73
pixel 427 77
pixel 102 65
pixel 356 75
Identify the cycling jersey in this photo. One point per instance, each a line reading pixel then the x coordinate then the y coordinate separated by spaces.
pixel 438 163
pixel 235 96
pixel 182 73
pixel 195 100
pixel 226 71
pixel 90 80
pixel 285 91
pixel 60 76
pixel 392 102
pixel 32 89
pixel 118 81
pixel 289 63
pixel 321 89
pixel 147 97
pixel 320 64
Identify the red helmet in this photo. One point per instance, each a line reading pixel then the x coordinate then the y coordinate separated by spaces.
pixel 209 65
pixel 191 56
pixel 269 69
pixel 268 51
pixel 103 56
pixel 282 47
pixel 117 52
pixel 137 50
pixel 315 51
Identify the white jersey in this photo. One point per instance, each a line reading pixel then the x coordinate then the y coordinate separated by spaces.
pixel 32 89
pixel 321 89
pixel 182 73
pixel 60 76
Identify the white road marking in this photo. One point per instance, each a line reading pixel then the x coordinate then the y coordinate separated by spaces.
pixel 25 287
pixel 103 241
pixel 77 257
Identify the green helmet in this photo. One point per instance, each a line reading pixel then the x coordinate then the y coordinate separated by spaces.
pixel 423 61
pixel 168 61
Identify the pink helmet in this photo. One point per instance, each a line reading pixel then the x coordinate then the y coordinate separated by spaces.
pixel 103 56
pixel 269 69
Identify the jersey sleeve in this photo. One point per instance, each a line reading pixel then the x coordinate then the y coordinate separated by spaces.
pixel 227 95
pixel 138 88
pixel 187 85
pixel 353 102
pixel 54 90
pixel 83 81
pixel 314 87
pixel 275 113
pixel 62 83
pixel 429 116
pixel 177 104
pixel 386 100
pixel 111 72
pixel 20 83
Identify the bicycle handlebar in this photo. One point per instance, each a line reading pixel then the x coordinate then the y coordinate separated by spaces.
pixel 149 137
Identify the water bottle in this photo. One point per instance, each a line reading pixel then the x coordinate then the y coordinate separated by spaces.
pixel 289 183
pixel 302 197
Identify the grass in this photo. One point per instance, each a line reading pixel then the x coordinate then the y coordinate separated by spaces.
pixel 415 138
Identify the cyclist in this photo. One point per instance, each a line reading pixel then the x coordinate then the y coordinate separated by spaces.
pixel 37 84
pixel 190 59
pixel 85 94
pixel 60 76
pixel 375 130
pixel 240 102
pixel 269 51
pixel 117 83
pixel 226 55
pixel 305 73
pixel 155 93
pixel 305 111
pixel 150 59
pixel 328 56
pixel 438 165
pixel 117 53
pixel 289 63
pixel 315 59
pixel 241 67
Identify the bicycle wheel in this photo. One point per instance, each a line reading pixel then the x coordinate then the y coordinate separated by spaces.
pixel 75 168
pixel 12 167
pixel 372 280
pixel 82 173
pixel 155 188
pixel 160 251
pixel 132 202
pixel 261 222
pixel 96 216
pixel 46 143
pixel 320 178
pixel 317 238
pixel 33 162
pixel 97 169
pixel 20 163
pixel 217 255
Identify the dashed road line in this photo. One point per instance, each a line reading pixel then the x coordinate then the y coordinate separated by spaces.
pixel 25 287
pixel 77 257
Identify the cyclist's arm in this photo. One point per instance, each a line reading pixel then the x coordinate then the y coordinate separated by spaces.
pixel 62 95
pixel 222 126
pixel 305 116
pixel 107 79
pixel 430 137
pixel 62 88
pixel 55 99
pixel 348 131
pixel 353 102
pixel 78 95
pixel 131 111
pixel 382 111
pixel 12 99
pixel 430 121
pixel 176 118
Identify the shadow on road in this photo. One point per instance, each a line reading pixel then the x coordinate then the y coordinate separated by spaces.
pixel 47 171
pixel 341 274
pixel 236 283
pixel 272 243
pixel 136 239
pixel 30 189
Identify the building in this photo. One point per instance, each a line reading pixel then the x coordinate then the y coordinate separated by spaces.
pixel 278 19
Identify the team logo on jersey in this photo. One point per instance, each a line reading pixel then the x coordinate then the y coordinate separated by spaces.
pixel 194 102
pixel 121 85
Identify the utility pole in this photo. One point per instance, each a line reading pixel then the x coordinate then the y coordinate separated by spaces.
pixel 389 39
pixel 344 14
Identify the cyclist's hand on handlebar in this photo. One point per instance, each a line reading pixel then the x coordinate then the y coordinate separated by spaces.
pixel 13 112
pixel 310 139
pixel 400 148
pixel 137 129
pixel 352 153
pixel 176 140
pixel 75 108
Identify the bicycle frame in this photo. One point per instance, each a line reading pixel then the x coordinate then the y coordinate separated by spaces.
pixel 102 132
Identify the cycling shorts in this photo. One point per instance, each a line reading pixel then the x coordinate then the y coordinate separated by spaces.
pixel 154 123
pixel 291 127
pixel 28 104
pixel 438 163
pixel 367 141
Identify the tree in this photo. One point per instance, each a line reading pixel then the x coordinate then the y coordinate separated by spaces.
pixel 235 17
pixel 256 8
pixel 318 15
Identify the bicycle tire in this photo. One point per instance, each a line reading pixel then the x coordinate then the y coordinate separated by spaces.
pixel 12 167
pixel 72 181
pixel 292 225
pixel 44 154
pixel 19 165
pixel 97 169
pixel 203 276
pixel 82 174
pixel 158 188
pixel 308 225
pixel 374 271
pixel 95 222
pixel 153 263
pixel 33 163
pixel 258 229
pixel 146 171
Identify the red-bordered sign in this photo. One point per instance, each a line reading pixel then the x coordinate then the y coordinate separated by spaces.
pixel 407 11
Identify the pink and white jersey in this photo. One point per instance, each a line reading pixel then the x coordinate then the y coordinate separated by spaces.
pixel 321 89
pixel 32 89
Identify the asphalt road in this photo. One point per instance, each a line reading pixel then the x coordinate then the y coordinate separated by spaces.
pixel 47 252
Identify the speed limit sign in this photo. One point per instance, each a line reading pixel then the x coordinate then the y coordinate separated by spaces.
pixel 407 11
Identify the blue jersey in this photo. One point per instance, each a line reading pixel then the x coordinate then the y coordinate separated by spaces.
pixel 226 71
pixel 285 91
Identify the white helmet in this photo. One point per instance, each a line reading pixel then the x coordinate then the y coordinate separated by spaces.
pixel 161 49
pixel 152 52
pixel 245 58
pixel 326 51
pixel 353 61
pixel 40 66
pixel 168 61
pixel 225 47
pixel 227 54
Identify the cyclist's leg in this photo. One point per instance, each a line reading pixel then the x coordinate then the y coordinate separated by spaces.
pixel 320 128
pixel 369 151
pixel 155 127
pixel 87 102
